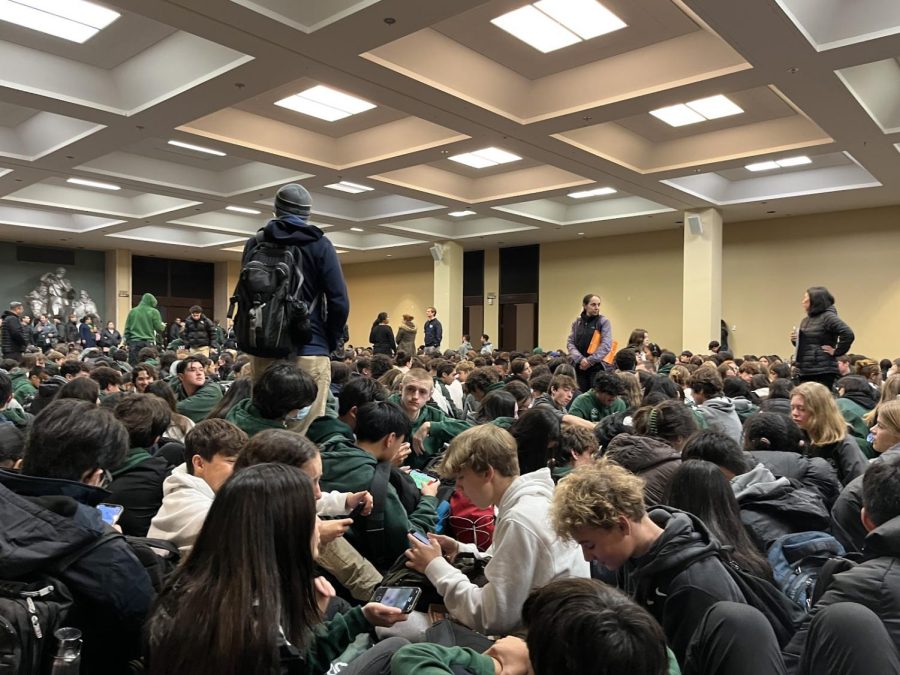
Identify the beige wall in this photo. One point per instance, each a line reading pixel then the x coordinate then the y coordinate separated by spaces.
pixel 769 264
pixel 638 278
pixel 396 287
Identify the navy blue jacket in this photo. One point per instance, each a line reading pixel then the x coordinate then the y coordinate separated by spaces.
pixel 434 333
pixel 44 519
pixel 322 279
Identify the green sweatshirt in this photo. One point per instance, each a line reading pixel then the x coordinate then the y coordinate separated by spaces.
pixel 349 468
pixel 17 416
pixel 143 321
pixel 21 386
pixel 443 429
pixel 198 406
pixel 331 638
pixel 587 407
pixel 244 415
pixel 328 432
pixel 426 658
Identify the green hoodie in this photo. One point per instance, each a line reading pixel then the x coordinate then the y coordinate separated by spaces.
pixel 443 429
pixel 348 468
pixel 143 321
pixel 328 432
pixel 21 385
pixel 198 406
pixel 17 416
pixel 587 407
pixel 244 415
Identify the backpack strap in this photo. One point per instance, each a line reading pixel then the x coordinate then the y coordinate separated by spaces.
pixel 375 520
pixel 62 564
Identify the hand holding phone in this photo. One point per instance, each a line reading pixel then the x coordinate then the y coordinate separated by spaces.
pixel 110 512
pixel 421 537
pixel 358 509
pixel 403 598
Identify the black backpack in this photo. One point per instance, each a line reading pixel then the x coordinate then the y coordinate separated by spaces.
pixel 30 612
pixel 272 320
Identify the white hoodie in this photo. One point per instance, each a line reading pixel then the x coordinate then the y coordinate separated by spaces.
pixel 186 501
pixel 526 554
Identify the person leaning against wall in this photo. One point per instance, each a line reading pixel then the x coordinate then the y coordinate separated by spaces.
pixel 590 341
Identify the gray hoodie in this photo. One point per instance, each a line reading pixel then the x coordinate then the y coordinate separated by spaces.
pixel 720 415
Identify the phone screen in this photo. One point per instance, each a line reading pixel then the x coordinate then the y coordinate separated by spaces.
pixel 357 509
pixel 421 479
pixel 401 597
pixel 110 513
pixel 421 537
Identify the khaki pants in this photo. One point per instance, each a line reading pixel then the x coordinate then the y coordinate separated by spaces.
pixel 200 350
pixel 350 568
pixel 319 368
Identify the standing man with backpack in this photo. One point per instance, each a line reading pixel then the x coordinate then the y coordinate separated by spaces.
pixel 304 317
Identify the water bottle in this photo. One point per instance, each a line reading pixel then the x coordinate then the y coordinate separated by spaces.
pixel 68 653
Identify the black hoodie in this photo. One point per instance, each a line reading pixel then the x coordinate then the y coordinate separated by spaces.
pixel 322 279
pixel 680 577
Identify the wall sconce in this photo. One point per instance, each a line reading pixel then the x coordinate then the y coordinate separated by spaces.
pixel 491 297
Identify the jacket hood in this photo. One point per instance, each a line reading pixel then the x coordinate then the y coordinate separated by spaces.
pixel 180 480
pixel 884 540
pixel 684 540
pixel 758 482
pixel 867 398
pixel 148 300
pixel 7 313
pixel 720 404
pixel 640 453
pixel 17 416
pixel 34 486
pixel 291 229
pixel 535 484
pixel 742 404
pixel 246 416
pixel 326 428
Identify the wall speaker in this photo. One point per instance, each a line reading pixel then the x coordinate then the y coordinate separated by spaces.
pixel 437 252
pixel 695 224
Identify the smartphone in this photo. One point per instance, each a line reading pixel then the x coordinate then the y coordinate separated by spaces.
pixel 420 478
pixel 110 513
pixel 421 537
pixel 357 509
pixel 401 597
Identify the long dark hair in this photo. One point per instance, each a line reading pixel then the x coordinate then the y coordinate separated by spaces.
pixel 819 300
pixel 381 318
pixel 700 488
pixel 250 573
pixel 537 434
pixel 240 389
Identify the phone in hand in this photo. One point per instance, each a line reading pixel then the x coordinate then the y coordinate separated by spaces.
pixel 110 512
pixel 401 597
pixel 358 509
pixel 421 478
pixel 421 537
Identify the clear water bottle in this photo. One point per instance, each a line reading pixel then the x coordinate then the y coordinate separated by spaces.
pixel 68 653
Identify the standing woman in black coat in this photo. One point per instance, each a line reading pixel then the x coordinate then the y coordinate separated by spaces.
pixel 381 336
pixel 821 339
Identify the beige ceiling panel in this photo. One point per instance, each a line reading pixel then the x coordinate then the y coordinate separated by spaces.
pixel 612 142
pixel 524 182
pixel 307 16
pixel 43 134
pixel 442 63
pixel 431 180
pixel 52 220
pixel 126 204
pixel 177 237
pixel 393 139
pixel 876 86
pixel 435 228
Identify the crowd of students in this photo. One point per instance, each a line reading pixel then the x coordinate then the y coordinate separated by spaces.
pixel 623 528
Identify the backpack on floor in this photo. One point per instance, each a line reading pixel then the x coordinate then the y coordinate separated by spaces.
pixel 30 612
pixel 272 320
pixel 797 559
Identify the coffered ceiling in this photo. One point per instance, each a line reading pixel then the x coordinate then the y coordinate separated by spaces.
pixel 812 107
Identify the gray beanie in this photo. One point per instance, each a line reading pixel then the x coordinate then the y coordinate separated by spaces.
pixel 293 198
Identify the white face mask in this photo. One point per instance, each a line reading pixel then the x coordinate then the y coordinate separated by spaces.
pixel 299 415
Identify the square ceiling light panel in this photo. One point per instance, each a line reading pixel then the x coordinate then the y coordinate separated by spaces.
pixel 73 20
pixel 486 157
pixel 772 164
pixel 325 103
pixel 351 188
pixel 701 110
pixel 829 24
pixel 549 25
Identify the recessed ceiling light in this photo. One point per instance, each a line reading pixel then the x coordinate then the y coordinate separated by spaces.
pixel 581 234
pixel 347 186
pixel 481 159
pixel 243 209
pixel 197 148
pixel 73 20
pixel 779 163
pixel 596 192
pixel 93 184
pixel 356 229
pixel 710 108
pixel 793 161
pixel 390 255
pixel 325 103
pixel 549 25
pixel 461 214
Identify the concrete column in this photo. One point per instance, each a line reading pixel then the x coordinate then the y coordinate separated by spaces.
pixel 226 274
pixel 448 288
pixel 118 286
pixel 702 290
pixel 491 287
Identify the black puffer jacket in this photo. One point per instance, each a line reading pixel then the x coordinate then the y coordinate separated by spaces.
pixel 12 337
pixel 772 507
pixel 875 583
pixel 813 472
pixel 777 405
pixel 845 456
pixel 679 578
pixel 650 458
pixel 845 522
pixel 817 330
pixel 198 333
